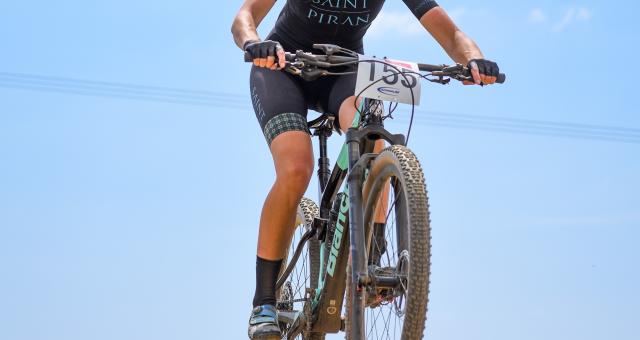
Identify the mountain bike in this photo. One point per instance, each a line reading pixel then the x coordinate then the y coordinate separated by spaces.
pixel 343 271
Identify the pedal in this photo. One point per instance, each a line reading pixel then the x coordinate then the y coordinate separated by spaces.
pixel 288 317
pixel 286 298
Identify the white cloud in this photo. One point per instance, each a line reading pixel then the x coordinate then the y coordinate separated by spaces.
pixel 570 16
pixel 404 23
pixel 391 23
pixel 537 15
pixel 456 14
pixel 584 14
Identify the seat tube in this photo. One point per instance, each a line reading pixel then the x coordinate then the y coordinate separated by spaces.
pixel 323 161
pixel 356 236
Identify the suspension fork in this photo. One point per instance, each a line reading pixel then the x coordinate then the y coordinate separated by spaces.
pixel 356 239
pixel 359 141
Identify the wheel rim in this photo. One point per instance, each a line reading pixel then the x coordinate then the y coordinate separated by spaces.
pixel 384 318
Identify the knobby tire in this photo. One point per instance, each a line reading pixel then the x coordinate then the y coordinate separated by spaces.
pixel 409 217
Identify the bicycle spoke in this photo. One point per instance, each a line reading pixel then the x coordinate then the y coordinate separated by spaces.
pixel 293 294
pixel 383 321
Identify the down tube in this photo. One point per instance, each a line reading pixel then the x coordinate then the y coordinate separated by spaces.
pixel 329 296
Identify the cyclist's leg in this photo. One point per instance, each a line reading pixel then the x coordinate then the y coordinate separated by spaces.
pixel 347 113
pixel 342 100
pixel 280 107
pixel 293 159
pixel 342 95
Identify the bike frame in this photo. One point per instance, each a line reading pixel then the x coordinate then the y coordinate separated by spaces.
pixel 323 306
pixel 325 303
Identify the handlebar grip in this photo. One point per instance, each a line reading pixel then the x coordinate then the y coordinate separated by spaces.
pixel 430 68
pixel 501 78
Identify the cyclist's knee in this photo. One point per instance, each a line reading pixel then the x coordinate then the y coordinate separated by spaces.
pixel 347 112
pixel 293 159
pixel 295 175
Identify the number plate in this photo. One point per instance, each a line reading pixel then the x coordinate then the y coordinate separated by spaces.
pixel 389 84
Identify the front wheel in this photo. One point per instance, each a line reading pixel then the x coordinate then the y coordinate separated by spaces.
pixel 399 249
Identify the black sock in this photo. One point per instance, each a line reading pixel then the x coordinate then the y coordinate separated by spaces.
pixel 266 276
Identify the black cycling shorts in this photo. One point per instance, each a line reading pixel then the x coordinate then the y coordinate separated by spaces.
pixel 281 100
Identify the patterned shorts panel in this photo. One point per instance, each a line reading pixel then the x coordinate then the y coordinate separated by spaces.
pixel 282 123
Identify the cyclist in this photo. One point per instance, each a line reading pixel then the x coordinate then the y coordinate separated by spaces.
pixel 281 100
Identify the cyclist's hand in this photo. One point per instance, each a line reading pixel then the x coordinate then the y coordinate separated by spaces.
pixel 484 72
pixel 268 53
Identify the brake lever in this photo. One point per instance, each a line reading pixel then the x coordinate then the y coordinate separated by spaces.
pixel 328 49
pixel 457 68
pixel 312 73
pixel 292 69
pixel 293 66
pixel 440 80
pixel 461 77
pixel 331 49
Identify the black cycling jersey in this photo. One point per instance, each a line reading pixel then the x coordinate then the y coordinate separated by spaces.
pixel 281 100
pixel 303 23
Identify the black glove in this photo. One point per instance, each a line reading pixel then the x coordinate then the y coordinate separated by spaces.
pixel 262 49
pixel 485 67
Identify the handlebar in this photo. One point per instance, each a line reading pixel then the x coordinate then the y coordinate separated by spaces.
pixel 314 58
pixel 437 69
pixel 311 66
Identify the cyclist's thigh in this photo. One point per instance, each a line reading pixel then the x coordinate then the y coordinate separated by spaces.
pixel 342 95
pixel 278 102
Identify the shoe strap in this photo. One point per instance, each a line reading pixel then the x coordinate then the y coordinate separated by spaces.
pixel 264 314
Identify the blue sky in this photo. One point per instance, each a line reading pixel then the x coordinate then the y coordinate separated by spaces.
pixel 137 219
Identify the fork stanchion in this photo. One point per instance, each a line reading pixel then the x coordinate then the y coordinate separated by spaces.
pixel 356 232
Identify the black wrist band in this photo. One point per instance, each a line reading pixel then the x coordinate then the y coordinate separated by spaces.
pixel 250 41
